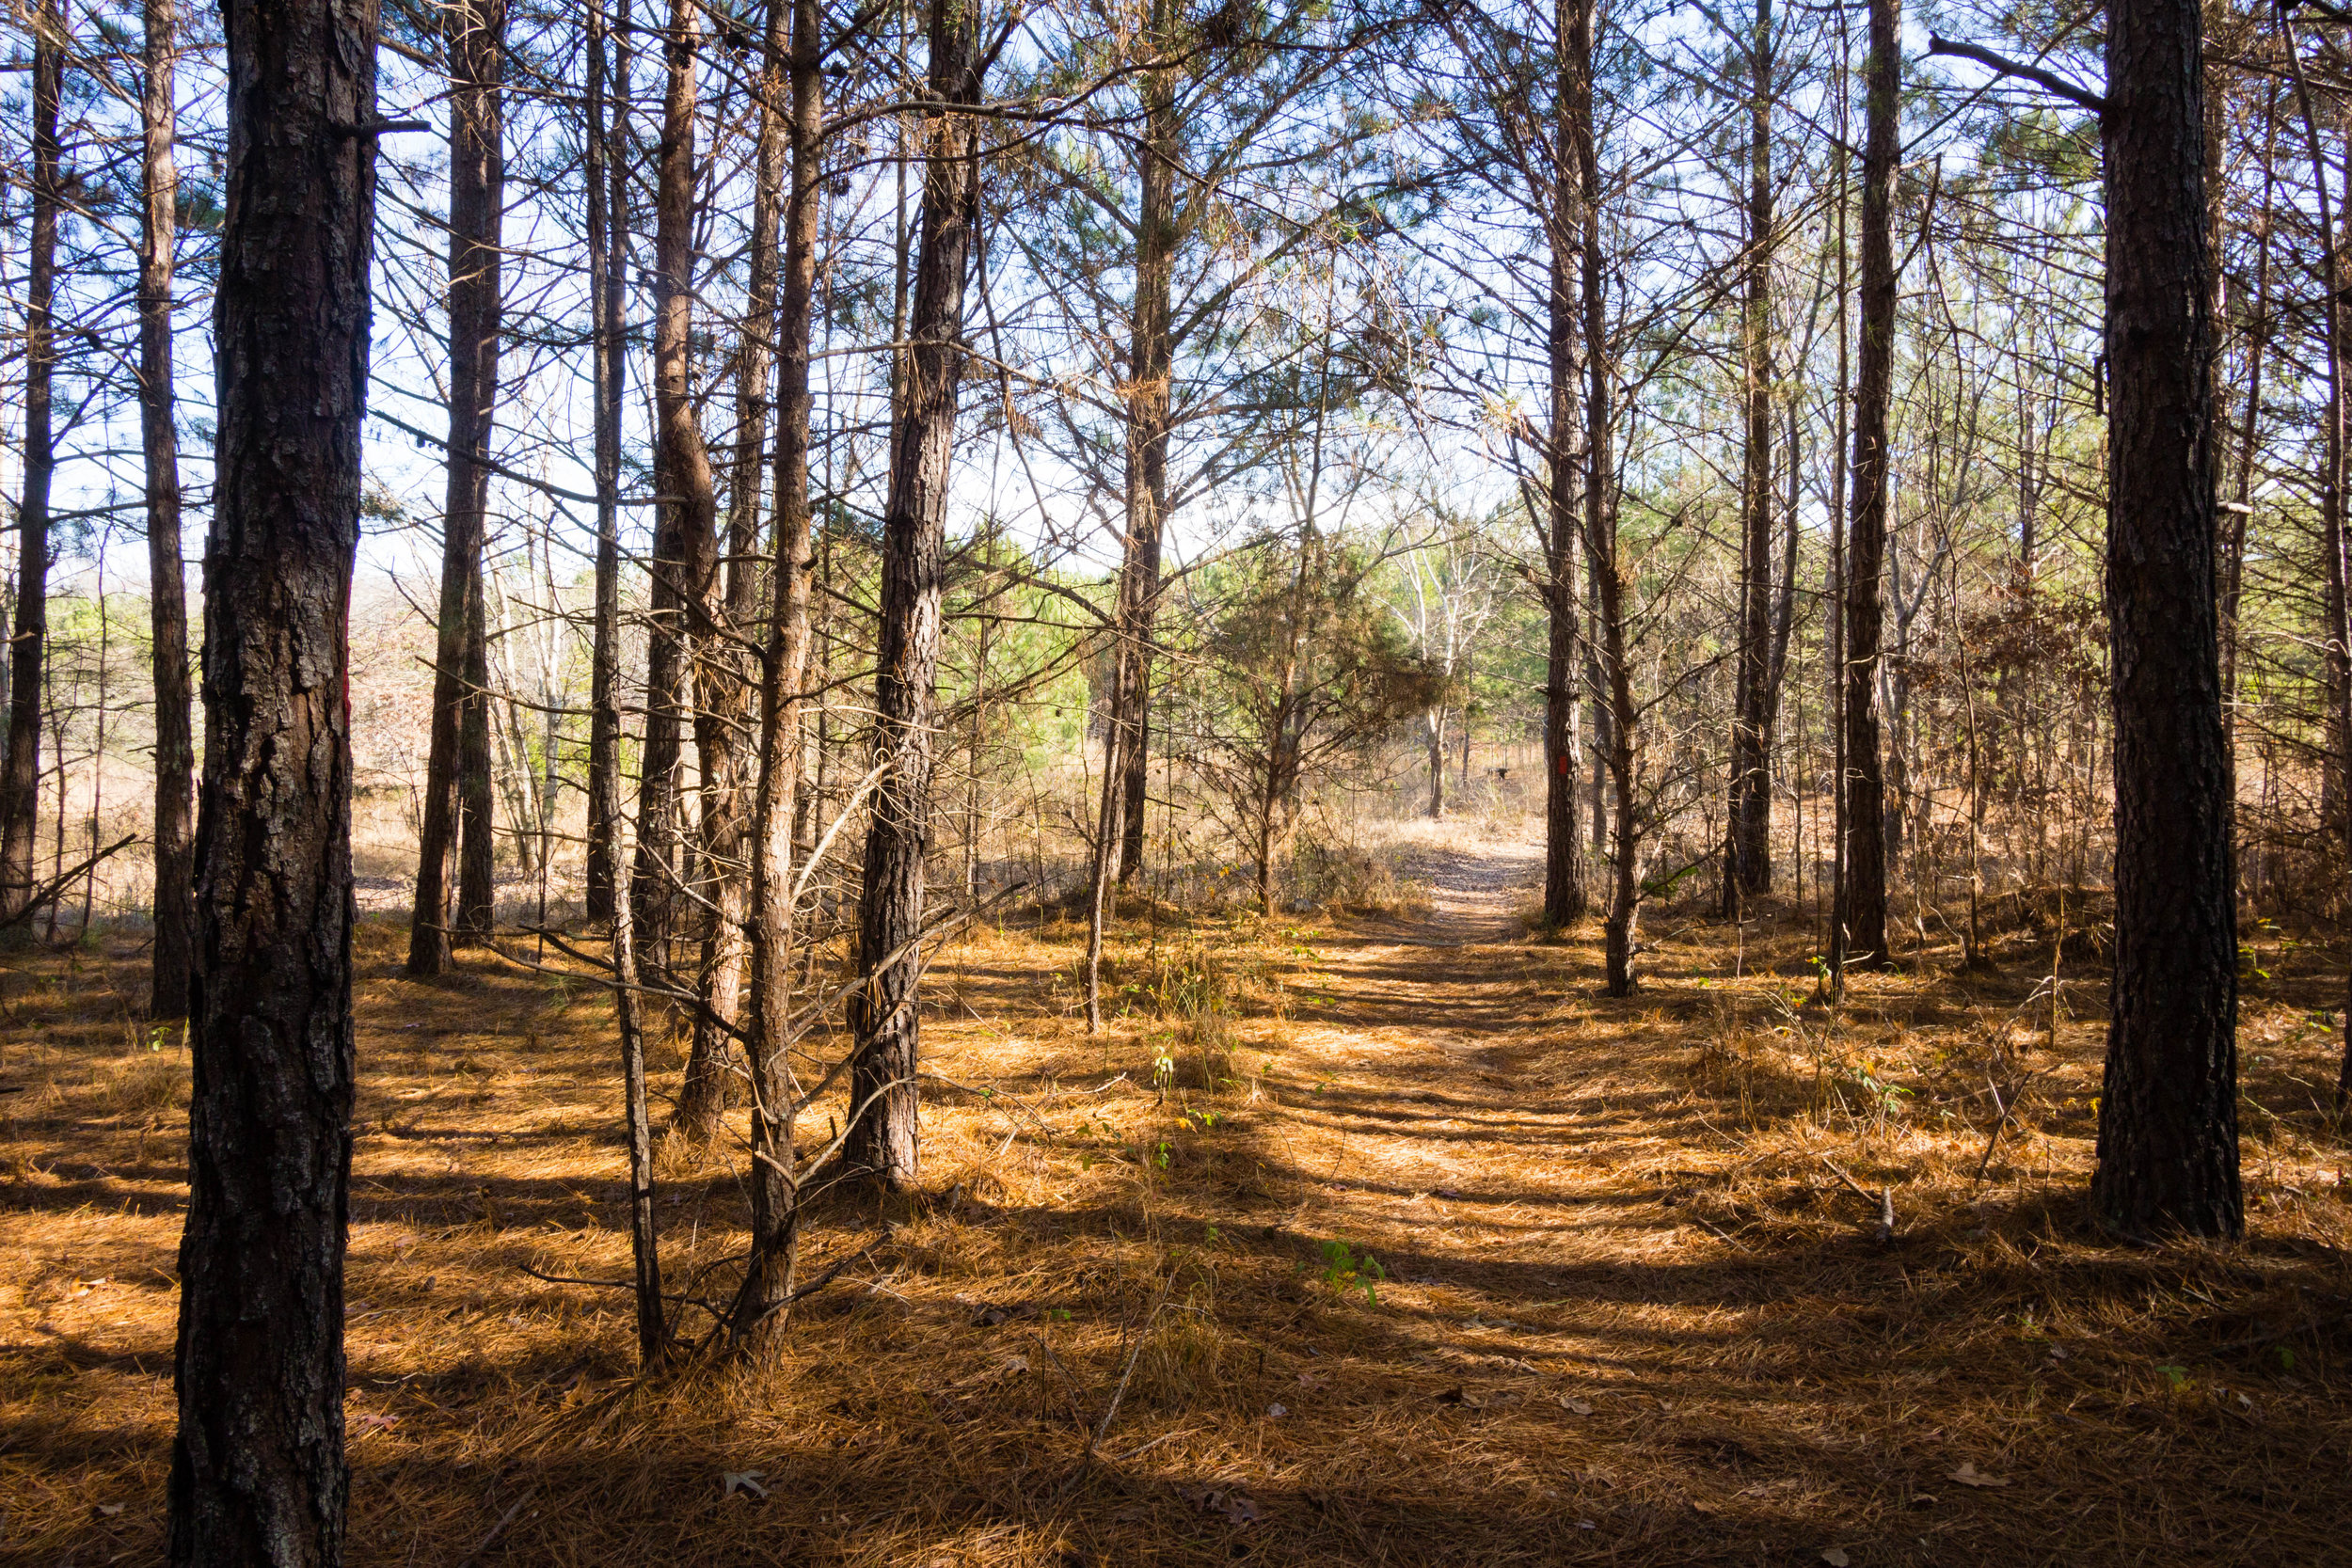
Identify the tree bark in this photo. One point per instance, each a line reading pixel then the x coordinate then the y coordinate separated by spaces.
pixel 685 538
pixel 1863 938
pixel 258 1474
pixel 608 274
pixel 775 1168
pixel 456 786
pixel 882 1015
pixel 1150 394
pixel 1748 819
pixel 1610 586
pixel 724 710
pixel 167 599
pixel 2167 1112
pixel 1565 895
pixel 20 771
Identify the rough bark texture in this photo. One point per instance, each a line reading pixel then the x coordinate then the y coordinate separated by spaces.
pixel 775 1193
pixel 1748 819
pixel 2167 1112
pixel 168 600
pixel 724 714
pixel 258 1474
pixel 1611 587
pixel 457 747
pixel 1864 939
pixel 20 770
pixel 1150 390
pixel 607 269
pixel 1565 895
pixel 882 1016
pixel 685 547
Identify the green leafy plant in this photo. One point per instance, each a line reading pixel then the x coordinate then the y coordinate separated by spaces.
pixel 1344 1269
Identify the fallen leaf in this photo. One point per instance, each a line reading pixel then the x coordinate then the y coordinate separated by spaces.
pixel 106 1510
pixel 1968 1475
pixel 1923 1497
pixel 732 1481
pixel 2058 1352
pixel 374 1420
pixel 1574 1406
pixel 1836 1557
pixel 1698 1507
pixel 1310 1380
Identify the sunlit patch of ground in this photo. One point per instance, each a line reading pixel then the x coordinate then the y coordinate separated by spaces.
pixel 1379 1238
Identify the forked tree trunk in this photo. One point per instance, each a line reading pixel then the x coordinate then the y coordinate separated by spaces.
pixel 457 784
pixel 258 1474
pixel 1864 937
pixel 685 537
pixel 20 770
pixel 167 599
pixel 883 1019
pixel 2167 1158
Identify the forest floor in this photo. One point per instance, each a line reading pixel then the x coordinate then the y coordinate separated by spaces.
pixel 1425 1252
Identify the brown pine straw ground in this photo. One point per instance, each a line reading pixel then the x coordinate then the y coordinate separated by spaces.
pixel 1624 1308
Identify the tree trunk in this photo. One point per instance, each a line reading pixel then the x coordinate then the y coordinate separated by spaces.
pixel 20 771
pixel 167 599
pixel 1565 897
pixel 608 273
pixel 2168 1111
pixel 1434 722
pixel 1864 933
pixel 1748 819
pixel 883 1018
pixel 775 1190
pixel 685 538
pixel 458 745
pixel 1150 394
pixel 258 1474
pixel 725 711
pixel 1835 630
pixel 1610 586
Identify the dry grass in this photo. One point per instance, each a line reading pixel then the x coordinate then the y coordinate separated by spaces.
pixel 1424 1254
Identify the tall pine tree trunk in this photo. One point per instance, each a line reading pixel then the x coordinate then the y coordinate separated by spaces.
pixel 882 1015
pixel 1748 819
pixel 258 1474
pixel 20 770
pixel 1150 395
pixel 775 1192
pixel 608 274
pixel 725 713
pixel 685 544
pixel 2167 1112
pixel 1565 897
pixel 457 784
pixel 1864 937
pixel 167 599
